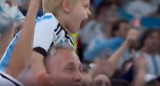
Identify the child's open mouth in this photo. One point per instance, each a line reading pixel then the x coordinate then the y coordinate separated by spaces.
pixel 83 22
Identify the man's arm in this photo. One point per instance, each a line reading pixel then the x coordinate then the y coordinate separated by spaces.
pixel 37 63
pixel 113 61
pixel 91 54
pixel 22 51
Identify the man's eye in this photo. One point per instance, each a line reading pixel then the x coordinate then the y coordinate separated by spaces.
pixel 70 69
pixel 86 6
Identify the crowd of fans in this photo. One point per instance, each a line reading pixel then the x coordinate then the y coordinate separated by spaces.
pixel 119 45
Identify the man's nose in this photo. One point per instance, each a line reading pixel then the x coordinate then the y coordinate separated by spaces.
pixel 78 77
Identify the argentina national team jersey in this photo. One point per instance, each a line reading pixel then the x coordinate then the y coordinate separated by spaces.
pixel 6 80
pixel 4 62
pixel 50 33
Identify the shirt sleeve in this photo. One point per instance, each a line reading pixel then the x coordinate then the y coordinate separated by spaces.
pixel 44 36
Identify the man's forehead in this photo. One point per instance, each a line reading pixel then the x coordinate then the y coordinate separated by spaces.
pixel 65 55
pixel 71 63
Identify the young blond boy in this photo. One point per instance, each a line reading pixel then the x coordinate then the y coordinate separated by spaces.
pixel 60 19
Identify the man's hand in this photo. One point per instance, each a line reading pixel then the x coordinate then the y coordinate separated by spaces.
pixel 139 62
pixel 132 36
pixel 44 79
pixel 140 66
pixel 36 1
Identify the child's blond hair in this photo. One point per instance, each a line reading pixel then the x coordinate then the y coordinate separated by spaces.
pixel 54 6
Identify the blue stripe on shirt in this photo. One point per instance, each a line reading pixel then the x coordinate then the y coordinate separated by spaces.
pixel 1 9
pixel 155 65
pixel 44 18
pixel 7 56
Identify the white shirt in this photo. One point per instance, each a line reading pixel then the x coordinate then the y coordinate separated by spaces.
pixel 153 63
pixel 6 80
pixel 140 8
pixel 49 33
pixel 12 12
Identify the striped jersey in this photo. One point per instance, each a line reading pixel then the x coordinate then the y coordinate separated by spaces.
pixel 6 80
pixel 153 63
pixel 48 33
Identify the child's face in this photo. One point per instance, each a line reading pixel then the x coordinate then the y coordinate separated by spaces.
pixel 78 14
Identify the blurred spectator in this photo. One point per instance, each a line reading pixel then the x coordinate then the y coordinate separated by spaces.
pixel 118 32
pixel 140 8
pixel 155 2
pixel 142 78
pixel 120 3
pixel 140 69
pixel 120 28
pixel 94 28
pixel 96 2
pixel 154 82
pixel 117 56
pixel 86 80
pixel 118 82
pixel 11 9
pixel 157 13
pixel 24 7
pixel 107 66
pixel 7 32
pixel 150 44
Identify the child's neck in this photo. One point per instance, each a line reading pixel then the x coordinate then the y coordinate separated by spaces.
pixel 62 21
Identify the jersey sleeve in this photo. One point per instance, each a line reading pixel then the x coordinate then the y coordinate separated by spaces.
pixel 44 35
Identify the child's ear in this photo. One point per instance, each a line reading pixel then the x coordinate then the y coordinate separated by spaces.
pixel 66 6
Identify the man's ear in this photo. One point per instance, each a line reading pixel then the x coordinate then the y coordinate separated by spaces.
pixel 66 6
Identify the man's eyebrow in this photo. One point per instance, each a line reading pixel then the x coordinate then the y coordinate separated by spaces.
pixel 70 64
